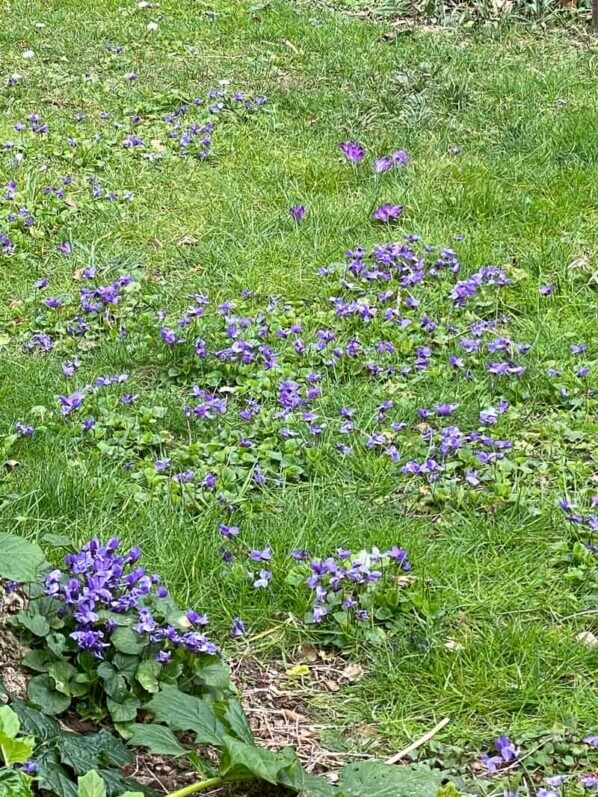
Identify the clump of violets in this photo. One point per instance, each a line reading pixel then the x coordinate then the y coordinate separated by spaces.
pixel 387 162
pixel 363 588
pixel 101 590
pixel 506 753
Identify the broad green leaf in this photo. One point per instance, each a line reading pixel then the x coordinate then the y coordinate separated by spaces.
pixel 62 672
pixel 15 751
pixel 234 718
pixel 157 738
pixel 56 643
pixel 313 786
pixel 9 722
pixel 41 692
pixel 147 675
pixel 376 779
pixel 115 684
pixel 35 723
pixel 33 621
pixel 20 560
pixel 91 785
pixel 125 711
pixel 14 784
pixel 128 641
pixel 53 777
pixel 212 672
pixel 38 660
pixel 92 751
pixel 126 665
pixel 183 712
pixel 241 761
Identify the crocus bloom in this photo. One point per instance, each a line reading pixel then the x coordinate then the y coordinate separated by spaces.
pixel 297 212
pixel 353 151
pixel 387 213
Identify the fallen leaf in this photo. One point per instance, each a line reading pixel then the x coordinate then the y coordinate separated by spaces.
pixel 581 262
pixel 11 464
pixel 70 203
pixel 4 339
pixel 307 651
pixel 298 671
pixel 453 645
pixel 187 240
pixel 293 716
pixel 587 638
pixel 331 685
pixel 291 46
pixel 352 673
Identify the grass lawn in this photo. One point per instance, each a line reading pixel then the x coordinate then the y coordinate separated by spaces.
pixel 501 129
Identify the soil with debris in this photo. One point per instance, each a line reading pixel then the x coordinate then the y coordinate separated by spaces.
pixel 275 699
pixel 12 675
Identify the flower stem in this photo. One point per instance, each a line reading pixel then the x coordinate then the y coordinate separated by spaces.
pixel 201 785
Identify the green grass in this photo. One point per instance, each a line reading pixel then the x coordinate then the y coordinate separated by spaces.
pixel 523 191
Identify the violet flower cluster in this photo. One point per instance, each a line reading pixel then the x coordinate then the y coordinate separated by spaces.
pixel 99 584
pixel 346 582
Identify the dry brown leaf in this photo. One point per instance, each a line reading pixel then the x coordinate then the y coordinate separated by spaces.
pixel 70 203
pixel 352 673
pixel 581 262
pixel 453 645
pixel 331 685
pixel 307 652
pixel 291 46
pixel 293 716
pixel 587 638
pixel 187 240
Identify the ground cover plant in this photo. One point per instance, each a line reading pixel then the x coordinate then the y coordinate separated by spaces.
pixel 307 314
